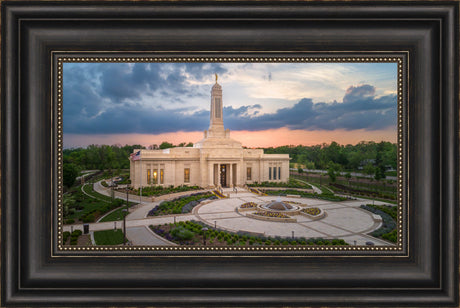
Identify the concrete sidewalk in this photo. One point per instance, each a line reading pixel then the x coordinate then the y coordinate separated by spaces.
pixel 143 236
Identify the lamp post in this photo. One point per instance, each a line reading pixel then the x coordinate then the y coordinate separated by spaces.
pixel 125 212
pixel 204 229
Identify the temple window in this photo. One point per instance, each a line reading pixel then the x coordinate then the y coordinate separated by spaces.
pixel 187 175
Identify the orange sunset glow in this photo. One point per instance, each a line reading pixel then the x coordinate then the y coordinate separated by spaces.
pixel 251 139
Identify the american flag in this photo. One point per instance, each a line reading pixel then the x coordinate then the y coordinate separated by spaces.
pixel 136 156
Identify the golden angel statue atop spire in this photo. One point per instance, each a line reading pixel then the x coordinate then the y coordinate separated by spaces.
pixel 216 77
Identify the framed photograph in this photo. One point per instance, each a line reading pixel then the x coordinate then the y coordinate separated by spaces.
pixel 231 153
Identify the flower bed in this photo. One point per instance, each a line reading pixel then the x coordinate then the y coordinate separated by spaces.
pixel 255 191
pixel 313 213
pixel 180 205
pixel 388 229
pixel 271 216
pixel 218 194
pixel 247 206
pixel 177 233
pixel 148 191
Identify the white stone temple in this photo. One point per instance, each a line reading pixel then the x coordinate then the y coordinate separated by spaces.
pixel 215 161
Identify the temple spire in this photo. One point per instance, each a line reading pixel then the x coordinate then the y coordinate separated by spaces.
pixel 216 125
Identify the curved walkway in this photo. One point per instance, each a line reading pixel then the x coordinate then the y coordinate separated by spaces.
pixel 345 220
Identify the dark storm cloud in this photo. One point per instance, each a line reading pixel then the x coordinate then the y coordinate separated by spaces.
pixel 103 99
pixel 360 109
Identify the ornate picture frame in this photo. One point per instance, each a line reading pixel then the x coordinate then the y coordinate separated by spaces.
pixel 422 271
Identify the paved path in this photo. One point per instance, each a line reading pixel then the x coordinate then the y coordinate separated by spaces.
pixel 345 220
pixel 145 237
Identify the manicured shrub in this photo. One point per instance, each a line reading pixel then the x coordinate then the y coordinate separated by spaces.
pixel 182 233
pixel 65 236
pixel 89 218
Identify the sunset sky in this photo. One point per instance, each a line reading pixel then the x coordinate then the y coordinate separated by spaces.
pixel 265 104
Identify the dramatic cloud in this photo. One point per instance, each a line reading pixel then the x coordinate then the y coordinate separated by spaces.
pixel 360 109
pixel 107 98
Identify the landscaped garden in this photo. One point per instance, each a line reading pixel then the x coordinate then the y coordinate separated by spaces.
pixel 180 205
pixel 388 213
pixel 313 211
pixel 363 192
pixel 84 208
pixel 192 233
pixel 270 214
pixel 248 205
pixel 149 191
pixel 76 238
pixel 292 183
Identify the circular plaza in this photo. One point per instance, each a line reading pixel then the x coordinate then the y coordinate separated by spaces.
pixel 344 220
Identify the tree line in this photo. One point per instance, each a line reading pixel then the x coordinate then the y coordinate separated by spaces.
pixel 108 157
pixel 366 156
pixel 369 157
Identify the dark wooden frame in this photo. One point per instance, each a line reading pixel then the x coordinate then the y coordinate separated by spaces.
pixel 32 275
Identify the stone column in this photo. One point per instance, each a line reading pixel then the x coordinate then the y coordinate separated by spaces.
pixel 219 184
pixel 210 174
pixel 173 171
pixel 231 174
pixel 203 170
pixel 261 170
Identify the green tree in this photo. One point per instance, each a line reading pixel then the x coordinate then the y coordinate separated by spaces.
pixel 69 174
pixel 332 174
pixel 380 166
pixel 300 170
pixel 369 169
pixel 379 174
pixel 166 145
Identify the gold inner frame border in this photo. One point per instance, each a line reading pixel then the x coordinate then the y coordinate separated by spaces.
pixel 106 57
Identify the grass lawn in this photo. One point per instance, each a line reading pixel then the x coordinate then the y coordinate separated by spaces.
pixel 292 183
pixel 88 208
pixel 108 237
pixel 114 216
pixel 160 190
